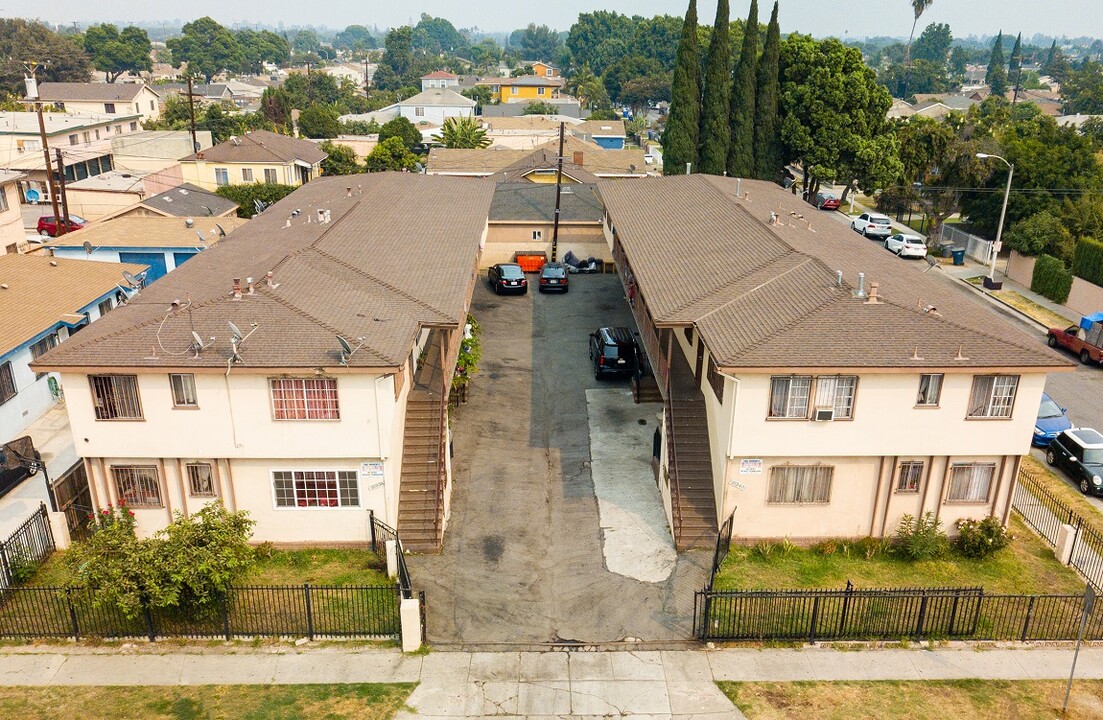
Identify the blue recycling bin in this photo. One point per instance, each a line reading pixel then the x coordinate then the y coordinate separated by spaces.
pixel 959 256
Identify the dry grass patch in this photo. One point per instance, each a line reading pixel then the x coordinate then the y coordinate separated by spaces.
pixel 1031 309
pixel 367 701
pixel 916 700
pixel 1062 490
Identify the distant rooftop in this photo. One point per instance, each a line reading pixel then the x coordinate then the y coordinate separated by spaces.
pixel 90 92
pixel 26 123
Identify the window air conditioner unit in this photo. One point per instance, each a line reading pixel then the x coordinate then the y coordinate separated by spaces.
pixel 825 414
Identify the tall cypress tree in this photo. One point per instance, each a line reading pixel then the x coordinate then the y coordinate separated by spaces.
pixel 767 125
pixel 741 152
pixel 680 136
pixel 715 128
pixel 1015 66
pixel 1047 69
pixel 996 76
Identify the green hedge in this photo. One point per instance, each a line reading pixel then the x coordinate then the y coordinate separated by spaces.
pixel 244 195
pixel 1087 261
pixel 1051 278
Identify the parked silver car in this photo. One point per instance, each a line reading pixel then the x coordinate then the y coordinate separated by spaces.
pixel 872 224
pixel 906 245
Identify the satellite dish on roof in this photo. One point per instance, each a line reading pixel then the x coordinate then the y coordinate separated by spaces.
pixel 345 347
pixel 134 281
pixel 347 350
pixel 236 331
pixel 221 230
pixel 88 247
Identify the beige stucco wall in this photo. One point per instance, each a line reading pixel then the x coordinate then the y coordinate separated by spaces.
pixel 504 240
pixel 11 220
pixel 95 204
pixel 139 106
pixel 1084 298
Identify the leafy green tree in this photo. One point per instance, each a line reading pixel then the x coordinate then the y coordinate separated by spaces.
pixel 1041 233
pixel 245 195
pixel 1082 90
pixel 258 48
pixel 657 38
pixel 275 106
pixel 715 135
pixel 683 124
pixel 462 132
pixel 319 121
pixel 397 61
pixel 340 159
pixel 604 114
pixel 401 128
pixel 918 7
pixel 360 127
pixel 25 39
pixel 486 53
pixel 538 108
pixel 354 37
pixel 768 158
pixel 741 150
pixel 390 154
pixel 115 53
pixel 1092 128
pixel 959 61
pixel 436 35
pixel 203 554
pixel 933 44
pixel 304 90
pixel 996 76
pixel 626 69
pixel 207 48
pixel 480 94
pixel 306 41
pixel 640 92
pixel 539 42
pixel 594 29
pixel 921 76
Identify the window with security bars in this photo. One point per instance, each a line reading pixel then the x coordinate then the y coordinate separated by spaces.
pixel 183 390
pixel 993 396
pixel 7 383
pixel 837 393
pixel 970 482
pixel 200 480
pixel 909 477
pixel 305 399
pixel 316 488
pixel 795 395
pixel 138 485
pixel 115 397
pixel 39 349
pixel 800 484
pixel 716 380
pixel 789 396
pixel 930 390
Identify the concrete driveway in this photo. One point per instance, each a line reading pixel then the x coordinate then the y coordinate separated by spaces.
pixel 524 559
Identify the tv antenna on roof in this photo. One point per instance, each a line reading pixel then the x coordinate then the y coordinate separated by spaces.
pixel 347 350
pixel 237 339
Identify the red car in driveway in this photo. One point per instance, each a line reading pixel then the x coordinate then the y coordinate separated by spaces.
pixel 48 225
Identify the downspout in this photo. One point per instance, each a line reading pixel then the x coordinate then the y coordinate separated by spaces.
pixel 388 471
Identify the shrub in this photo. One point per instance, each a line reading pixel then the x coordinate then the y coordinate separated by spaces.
pixel 921 538
pixel 981 538
pixel 246 195
pixel 1051 279
pixel 869 547
pixel 1041 233
pixel 1087 260
pixel 827 548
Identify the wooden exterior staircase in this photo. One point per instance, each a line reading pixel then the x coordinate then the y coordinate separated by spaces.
pixel 689 460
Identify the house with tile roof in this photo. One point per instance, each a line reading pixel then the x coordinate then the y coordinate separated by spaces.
pixel 522 219
pixel 439 79
pixel 539 165
pixel 118 98
pixel 525 89
pixel 298 369
pixel 256 156
pixel 813 384
pixel 184 201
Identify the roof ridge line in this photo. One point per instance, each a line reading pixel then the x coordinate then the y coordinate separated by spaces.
pixel 313 243
pixel 794 321
pixel 384 283
pixel 761 285
pixel 752 271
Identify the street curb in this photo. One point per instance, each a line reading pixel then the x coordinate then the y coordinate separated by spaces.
pixel 1000 303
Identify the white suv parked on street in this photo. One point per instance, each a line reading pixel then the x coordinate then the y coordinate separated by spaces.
pixel 872 224
pixel 906 245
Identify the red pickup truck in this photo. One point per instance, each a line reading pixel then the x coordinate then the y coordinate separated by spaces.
pixel 1076 339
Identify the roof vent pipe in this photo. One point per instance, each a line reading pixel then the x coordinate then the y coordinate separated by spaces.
pixel 861 291
pixel 189 223
pixel 738 187
pixel 237 289
pixel 838 278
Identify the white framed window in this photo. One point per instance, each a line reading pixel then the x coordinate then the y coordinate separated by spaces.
pixel 970 482
pixel 39 349
pixel 513 90
pixel 789 396
pixel 247 174
pixel 7 383
pixel 221 176
pixel 134 126
pixel 200 480
pixel 930 390
pixel 837 394
pixel 183 390
pixel 270 176
pixel 419 111
pixel 138 485
pixel 993 396
pixel 549 72
pixel 800 484
pixel 304 399
pixel 909 476
pixel 74 139
pixel 115 397
pixel 315 488
pixel 118 129
pixel 540 90
pixel 537 234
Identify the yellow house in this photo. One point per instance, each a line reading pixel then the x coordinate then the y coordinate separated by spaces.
pixel 256 156
pixel 542 69
pixel 526 89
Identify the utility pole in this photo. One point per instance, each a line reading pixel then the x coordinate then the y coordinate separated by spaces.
pixel 64 197
pixel 191 115
pixel 558 194
pixel 32 96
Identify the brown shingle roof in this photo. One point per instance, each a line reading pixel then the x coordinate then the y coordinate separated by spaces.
pixel 262 146
pixel 380 270
pixel 41 289
pixel 595 159
pixel 765 296
pixel 162 232
pixel 90 92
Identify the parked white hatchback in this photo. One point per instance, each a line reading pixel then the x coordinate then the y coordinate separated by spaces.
pixel 872 224
pixel 906 245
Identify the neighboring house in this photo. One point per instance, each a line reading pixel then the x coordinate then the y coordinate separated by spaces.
pixel 12 235
pixel 118 98
pixel 1077 121
pixel 543 69
pixel 608 134
pixel 282 421
pixel 256 156
pixel 43 302
pixel 525 89
pixel 208 93
pixel 354 72
pixel 900 109
pixel 522 218
pixel 151 151
pixel 162 244
pixel 185 201
pixel 564 105
pixel 628 163
pixel 105 194
pixel 828 407
pixel 526 132
pixel 439 79
pixel 435 106
pixel 84 141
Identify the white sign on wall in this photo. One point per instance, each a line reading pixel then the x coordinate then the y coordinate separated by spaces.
pixel 750 466
pixel 372 474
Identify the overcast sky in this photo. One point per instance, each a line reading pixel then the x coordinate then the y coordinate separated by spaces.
pixel 844 18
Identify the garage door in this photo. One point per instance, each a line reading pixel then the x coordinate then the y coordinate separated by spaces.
pixel 155 261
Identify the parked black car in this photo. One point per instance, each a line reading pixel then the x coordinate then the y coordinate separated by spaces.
pixel 18 461
pixel 507 278
pixel 1079 452
pixel 613 351
pixel 553 276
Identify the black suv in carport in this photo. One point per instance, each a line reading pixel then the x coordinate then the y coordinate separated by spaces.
pixel 613 351
pixel 1079 452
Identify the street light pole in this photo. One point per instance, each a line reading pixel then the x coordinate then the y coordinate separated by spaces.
pixel 990 281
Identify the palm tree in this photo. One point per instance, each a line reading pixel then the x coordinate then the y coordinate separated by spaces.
pixel 918 6
pixel 462 132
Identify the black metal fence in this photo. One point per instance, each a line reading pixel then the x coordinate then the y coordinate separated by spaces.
pixel 723 545
pixel 244 612
pixel 1047 514
pixel 26 549
pixel 381 532
pixel 889 614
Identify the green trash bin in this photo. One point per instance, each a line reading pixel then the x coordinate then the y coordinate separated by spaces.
pixel 959 256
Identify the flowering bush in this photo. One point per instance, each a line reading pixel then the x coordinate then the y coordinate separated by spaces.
pixel 981 538
pixel 920 538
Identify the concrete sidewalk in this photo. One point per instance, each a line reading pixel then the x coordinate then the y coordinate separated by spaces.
pixel 652 684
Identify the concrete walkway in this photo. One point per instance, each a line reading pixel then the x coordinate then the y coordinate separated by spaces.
pixel 651 684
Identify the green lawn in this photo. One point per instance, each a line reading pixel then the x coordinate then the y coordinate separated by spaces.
pixel 367 701
pixel 1027 567
pixel 916 700
pixel 1064 492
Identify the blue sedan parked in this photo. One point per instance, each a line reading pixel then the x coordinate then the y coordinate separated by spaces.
pixel 1051 421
